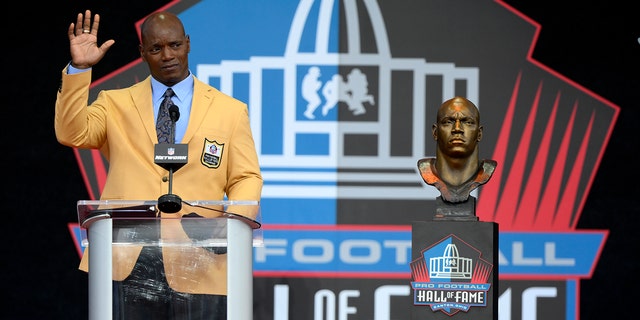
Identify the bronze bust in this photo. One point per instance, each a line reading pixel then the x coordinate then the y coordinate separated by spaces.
pixel 456 169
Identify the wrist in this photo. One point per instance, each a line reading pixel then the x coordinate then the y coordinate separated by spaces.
pixel 79 66
pixel 73 69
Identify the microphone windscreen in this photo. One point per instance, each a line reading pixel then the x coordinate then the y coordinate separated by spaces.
pixel 174 113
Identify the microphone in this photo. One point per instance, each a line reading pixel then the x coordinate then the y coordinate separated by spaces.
pixel 172 157
pixel 174 114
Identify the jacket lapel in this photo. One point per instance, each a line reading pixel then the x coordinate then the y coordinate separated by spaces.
pixel 203 96
pixel 141 95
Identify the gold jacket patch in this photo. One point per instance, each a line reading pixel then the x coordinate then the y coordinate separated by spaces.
pixel 211 154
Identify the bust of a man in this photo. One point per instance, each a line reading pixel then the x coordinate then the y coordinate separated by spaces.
pixel 456 169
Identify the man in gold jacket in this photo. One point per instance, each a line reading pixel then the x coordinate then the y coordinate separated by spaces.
pixel 121 123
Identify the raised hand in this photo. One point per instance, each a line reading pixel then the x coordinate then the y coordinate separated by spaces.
pixel 83 39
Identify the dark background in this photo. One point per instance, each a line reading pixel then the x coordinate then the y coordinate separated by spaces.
pixel 593 43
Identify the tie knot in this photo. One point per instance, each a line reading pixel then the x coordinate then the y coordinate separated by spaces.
pixel 169 93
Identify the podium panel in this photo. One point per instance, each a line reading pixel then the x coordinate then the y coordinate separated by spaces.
pixel 454 270
pixel 205 239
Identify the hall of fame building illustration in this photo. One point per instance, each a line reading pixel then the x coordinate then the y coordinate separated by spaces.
pixel 322 119
pixel 450 265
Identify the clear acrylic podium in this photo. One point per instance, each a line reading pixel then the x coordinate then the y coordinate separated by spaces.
pixel 124 224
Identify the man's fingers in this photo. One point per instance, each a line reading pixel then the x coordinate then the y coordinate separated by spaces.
pixel 96 23
pixel 78 24
pixel 106 45
pixel 86 25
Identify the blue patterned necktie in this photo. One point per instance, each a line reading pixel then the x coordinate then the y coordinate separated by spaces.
pixel 164 123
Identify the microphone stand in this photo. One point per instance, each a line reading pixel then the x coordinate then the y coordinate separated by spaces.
pixel 172 203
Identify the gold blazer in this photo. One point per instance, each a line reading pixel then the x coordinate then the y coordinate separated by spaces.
pixel 120 123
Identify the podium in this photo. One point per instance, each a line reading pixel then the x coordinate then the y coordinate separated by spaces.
pixel 120 224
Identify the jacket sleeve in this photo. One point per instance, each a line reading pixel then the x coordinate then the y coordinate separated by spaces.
pixel 76 124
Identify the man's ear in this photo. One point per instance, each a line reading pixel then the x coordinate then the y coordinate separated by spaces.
pixel 141 52
pixel 434 131
pixel 480 133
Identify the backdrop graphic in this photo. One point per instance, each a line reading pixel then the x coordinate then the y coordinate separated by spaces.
pixel 341 185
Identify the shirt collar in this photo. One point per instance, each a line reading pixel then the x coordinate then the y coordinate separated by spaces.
pixel 181 89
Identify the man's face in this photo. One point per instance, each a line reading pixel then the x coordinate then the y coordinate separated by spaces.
pixel 166 51
pixel 457 131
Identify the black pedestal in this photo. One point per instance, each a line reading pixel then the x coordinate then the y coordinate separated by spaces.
pixel 454 270
pixel 461 211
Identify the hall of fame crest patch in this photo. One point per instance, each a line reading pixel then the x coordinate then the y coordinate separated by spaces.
pixel 211 154
pixel 451 276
